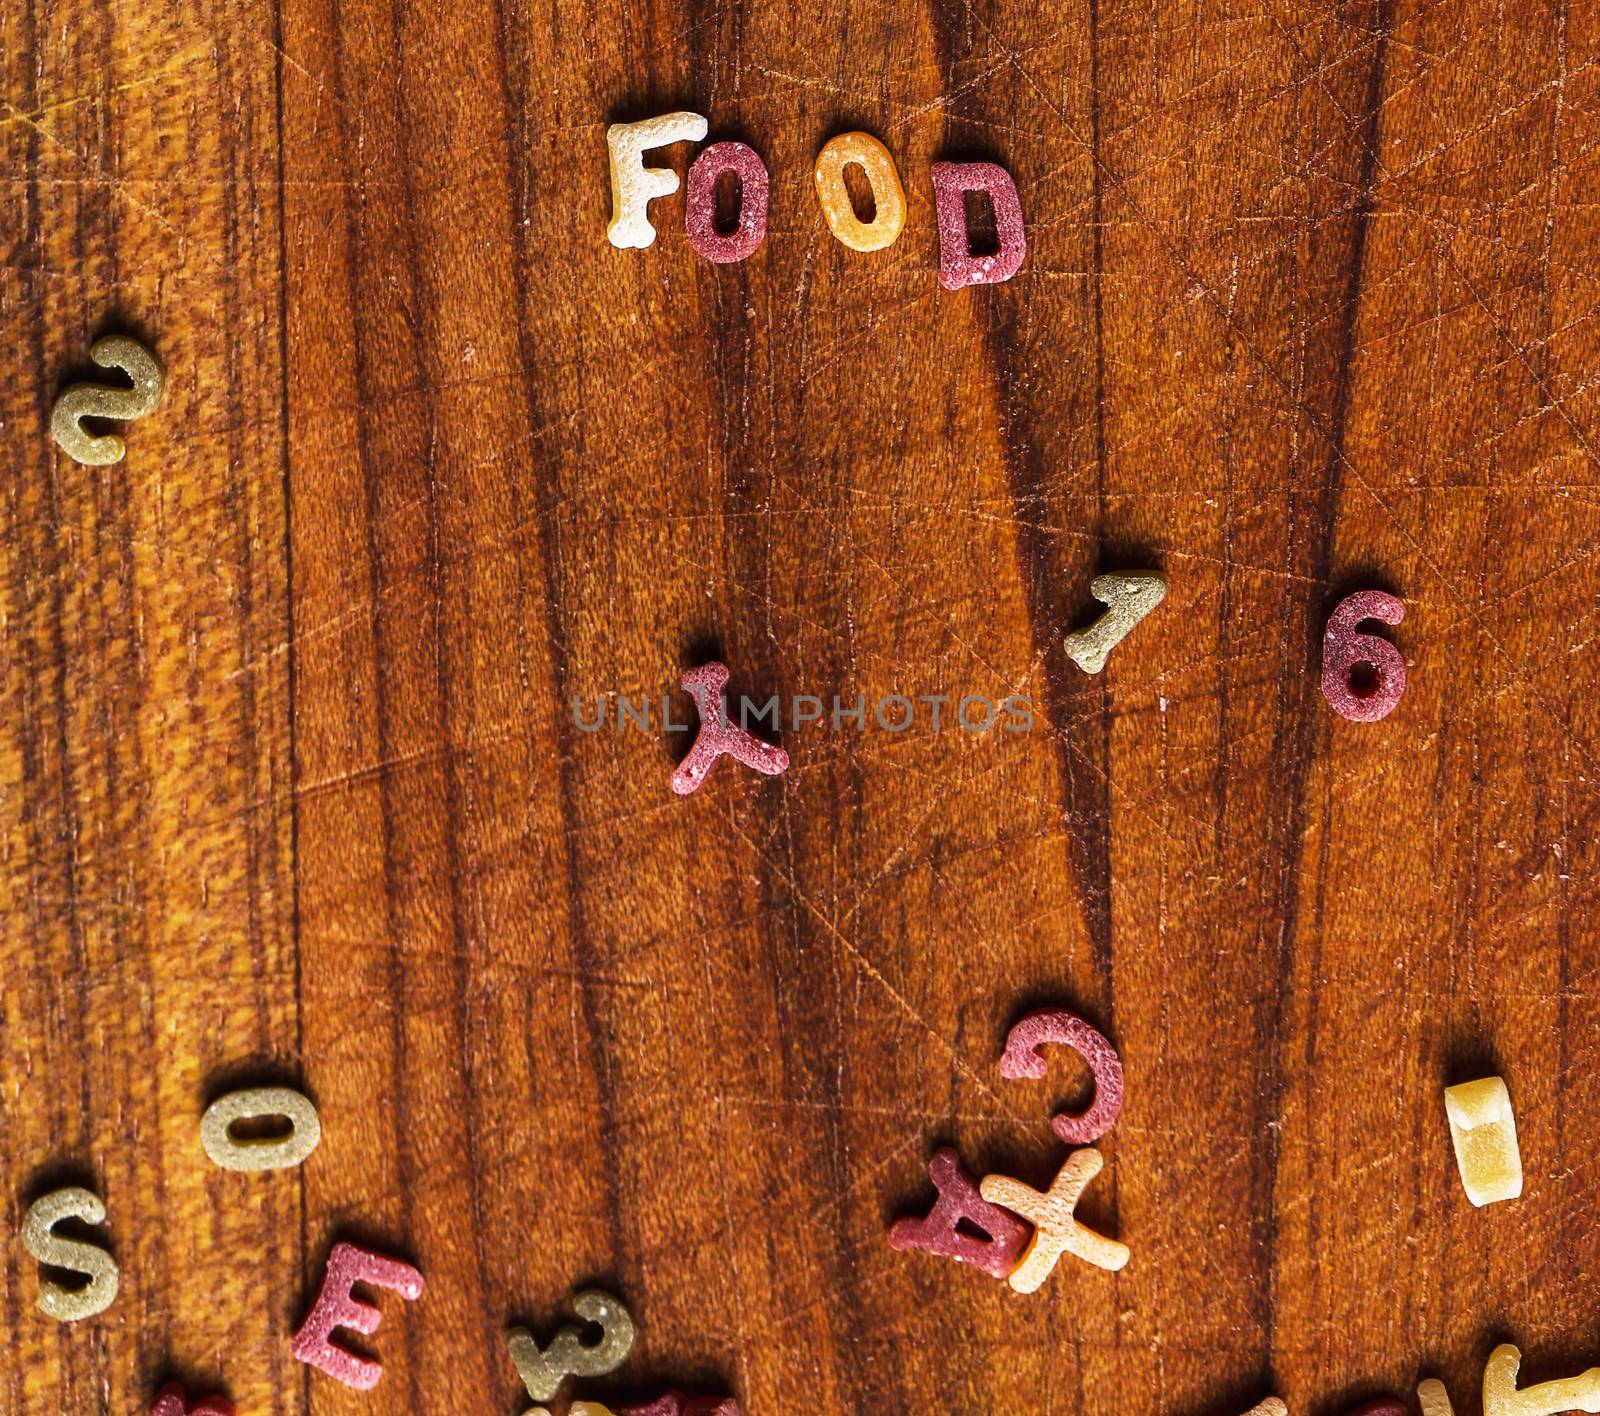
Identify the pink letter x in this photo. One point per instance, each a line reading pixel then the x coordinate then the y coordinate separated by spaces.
pixel 717 735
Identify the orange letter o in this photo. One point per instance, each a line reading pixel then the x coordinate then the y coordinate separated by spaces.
pixel 888 195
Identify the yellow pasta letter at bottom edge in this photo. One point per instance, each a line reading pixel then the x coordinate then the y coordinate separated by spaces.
pixel 1501 1397
pixel 1433 1398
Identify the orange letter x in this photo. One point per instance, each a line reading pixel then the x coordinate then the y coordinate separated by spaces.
pixel 1058 1232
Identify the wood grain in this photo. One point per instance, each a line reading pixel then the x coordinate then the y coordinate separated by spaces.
pixel 290 786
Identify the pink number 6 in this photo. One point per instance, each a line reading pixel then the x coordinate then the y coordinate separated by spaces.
pixel 1363 676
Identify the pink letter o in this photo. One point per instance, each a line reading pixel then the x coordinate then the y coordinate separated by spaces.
pixel 701 216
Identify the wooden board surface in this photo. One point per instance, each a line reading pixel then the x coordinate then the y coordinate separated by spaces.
pixel 290 785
